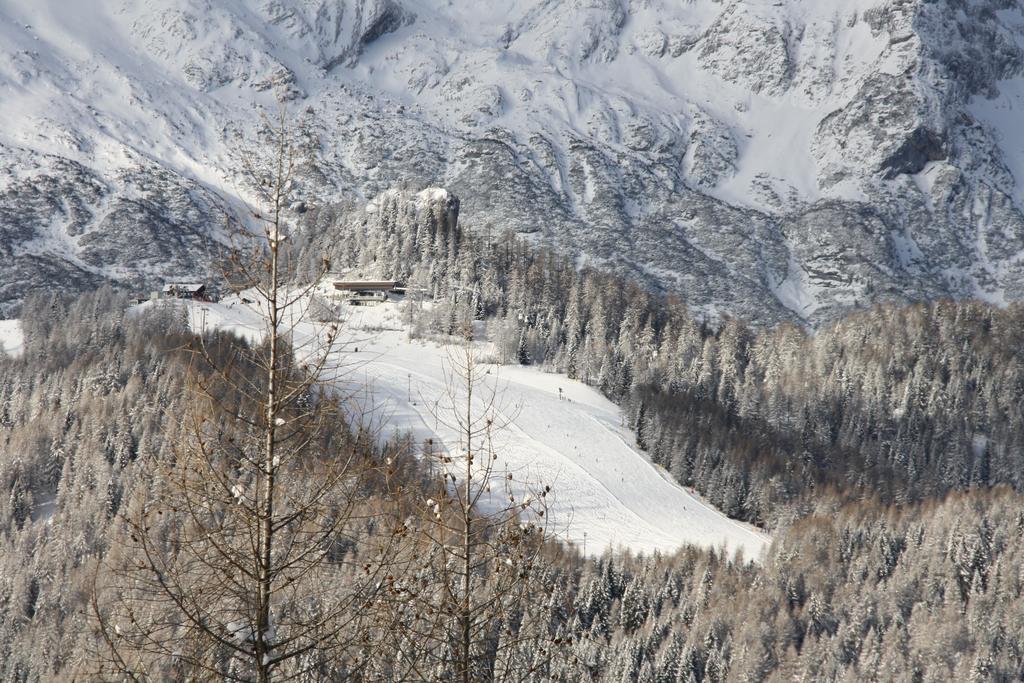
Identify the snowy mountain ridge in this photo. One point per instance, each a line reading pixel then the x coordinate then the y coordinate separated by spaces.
pixel 776 159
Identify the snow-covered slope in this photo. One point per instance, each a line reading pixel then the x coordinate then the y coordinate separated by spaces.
pixel 605 493
pixel 776 158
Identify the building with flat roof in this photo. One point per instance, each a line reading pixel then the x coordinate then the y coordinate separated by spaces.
pixel 185 290
pixel 365 292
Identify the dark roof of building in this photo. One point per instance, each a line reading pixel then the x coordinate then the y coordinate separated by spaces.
pixel 365 284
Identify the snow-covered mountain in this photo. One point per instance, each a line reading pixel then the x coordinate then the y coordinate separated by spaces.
pixel 774 158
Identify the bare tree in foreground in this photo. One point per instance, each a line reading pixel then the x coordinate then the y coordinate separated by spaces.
pixel 464 604
pixel 242 559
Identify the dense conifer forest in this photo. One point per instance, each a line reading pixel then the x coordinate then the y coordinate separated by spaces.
pixel 883 452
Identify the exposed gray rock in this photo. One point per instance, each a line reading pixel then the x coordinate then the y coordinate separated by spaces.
pixel 747 51
pixel 914 153
pixel 713 153
pixel 776 160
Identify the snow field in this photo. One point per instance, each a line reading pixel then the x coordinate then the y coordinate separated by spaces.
pixel 605 493
pixel 11 338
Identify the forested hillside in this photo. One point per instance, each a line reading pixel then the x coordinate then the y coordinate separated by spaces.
pixel 759 266
pixel 93 395
pixel 903 402
pixel 883 451
pixel 931 592
pixel 928 591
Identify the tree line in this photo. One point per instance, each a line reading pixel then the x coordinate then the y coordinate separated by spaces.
pixel 923 591
pixel 128 467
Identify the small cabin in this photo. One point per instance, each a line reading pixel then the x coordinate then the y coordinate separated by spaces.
pixel 185 290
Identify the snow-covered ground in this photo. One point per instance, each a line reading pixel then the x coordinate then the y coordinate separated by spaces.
pixel 605 493
pixel 11 338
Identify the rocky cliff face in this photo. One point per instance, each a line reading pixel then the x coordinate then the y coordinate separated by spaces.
pixel 775 159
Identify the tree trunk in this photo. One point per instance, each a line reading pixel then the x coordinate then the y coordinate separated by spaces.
pixel 266 576
pixel 467 537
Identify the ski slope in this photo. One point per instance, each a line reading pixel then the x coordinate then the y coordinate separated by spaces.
pixel 605 493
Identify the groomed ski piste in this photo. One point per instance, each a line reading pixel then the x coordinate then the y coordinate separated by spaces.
pixel 605 493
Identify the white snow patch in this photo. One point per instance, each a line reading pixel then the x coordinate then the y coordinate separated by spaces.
pixel 431 194
pixel 795 291
pixel 44 508
pixel 12 340
pixel 1002 115
pixel 979 443
pixel 777 153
